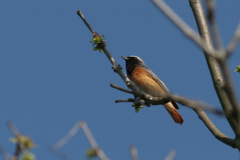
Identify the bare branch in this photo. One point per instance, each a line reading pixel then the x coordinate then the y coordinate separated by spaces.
pixel 168 97
pixel 66 138
pixel 233 44
pixel 119 100
pixel 4 154
pixel 72 133
pixel 121 89
pixel 171 155
pixel 85 21
pixel 213 64
pixel 134 152
pixel 13 128
pixel 229 88
pixel 197 107
pixel 194 104
pixel 212 19
pixel 188 31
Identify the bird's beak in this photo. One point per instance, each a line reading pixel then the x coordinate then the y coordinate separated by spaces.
pixel 125 58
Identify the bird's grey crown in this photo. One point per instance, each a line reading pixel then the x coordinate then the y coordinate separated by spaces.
pixel 139 59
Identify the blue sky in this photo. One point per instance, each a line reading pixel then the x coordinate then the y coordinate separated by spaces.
pixel 51 77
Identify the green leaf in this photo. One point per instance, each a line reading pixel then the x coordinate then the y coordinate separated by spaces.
pixel 97 41
pixel 137 107
pixel 23 141
pixel 238 69
pixel 28 156
pixel 91 153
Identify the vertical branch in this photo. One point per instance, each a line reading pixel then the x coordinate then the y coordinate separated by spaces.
pixel 213 65
pixel 212 19
pixel 134 153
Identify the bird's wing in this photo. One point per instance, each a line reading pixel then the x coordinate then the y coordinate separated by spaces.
pixel 161 84
pixel 153 76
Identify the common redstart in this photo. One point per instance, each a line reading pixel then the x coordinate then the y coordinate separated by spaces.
pixel 149 83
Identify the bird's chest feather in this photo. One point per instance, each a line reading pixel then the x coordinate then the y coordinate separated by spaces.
pixel 145 83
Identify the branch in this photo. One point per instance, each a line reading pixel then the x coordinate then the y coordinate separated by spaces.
pixel 81 124
pixel 170 97
pixel 13 128
pixel 85 21
pixel 134 153
pixel 187 30
pixel 120 88
pixel 210 53
pixel 23 143
pixel 197 107
pixel 194 104
pixel 233 44
pixel 213 65
pixel 4 154
pixel 171 155
pixel 210 4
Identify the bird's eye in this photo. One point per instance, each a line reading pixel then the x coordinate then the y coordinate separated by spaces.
pixel 135 58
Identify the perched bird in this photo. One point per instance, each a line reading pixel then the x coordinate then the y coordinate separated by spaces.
pixel 149 83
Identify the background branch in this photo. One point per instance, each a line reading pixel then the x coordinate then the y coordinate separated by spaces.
pixel 81 124
pixel 171 155
pixel 233 44
pixel 4 154
pixel 134 152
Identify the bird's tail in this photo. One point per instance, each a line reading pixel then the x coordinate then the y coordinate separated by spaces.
pixel 173 112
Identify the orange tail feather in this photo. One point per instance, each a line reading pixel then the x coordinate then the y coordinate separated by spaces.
pixel 173 112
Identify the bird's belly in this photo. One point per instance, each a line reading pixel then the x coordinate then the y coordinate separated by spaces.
pixel 146 83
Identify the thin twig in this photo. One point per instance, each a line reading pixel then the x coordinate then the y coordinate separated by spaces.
pixel 134 152
pixel 233 44
pixel 13 128
pixel 119 100
pixel 85 21
pixel 4 154
pixel 188 31
pixel 121 89
pixel 171 155
pixel 66 138
pixel 72 133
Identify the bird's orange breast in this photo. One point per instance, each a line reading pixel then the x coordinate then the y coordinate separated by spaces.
pixel 145 83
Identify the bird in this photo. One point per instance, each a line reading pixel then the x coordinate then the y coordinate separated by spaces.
pixel 147 81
